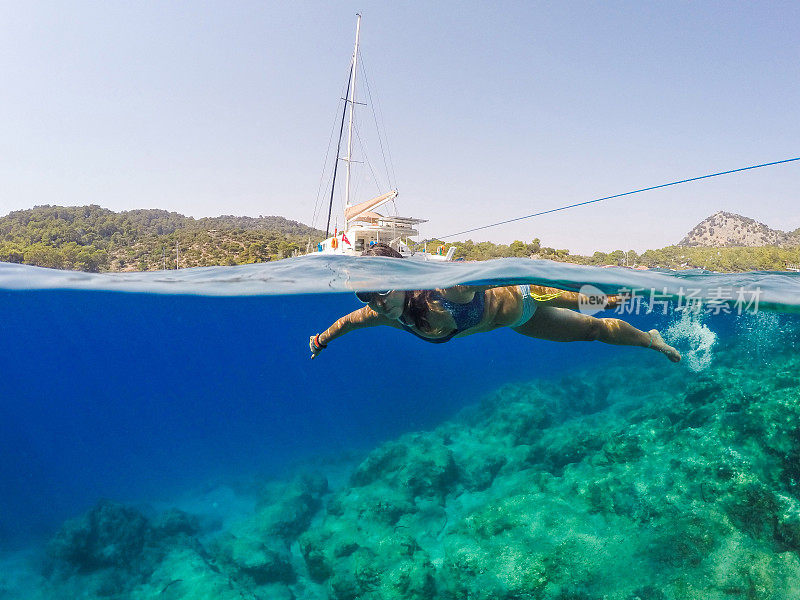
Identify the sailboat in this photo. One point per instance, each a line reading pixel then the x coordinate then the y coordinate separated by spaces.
pixel 363 226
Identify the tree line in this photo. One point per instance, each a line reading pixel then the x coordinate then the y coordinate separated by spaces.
pixel 724 259
pixel 91 238
pixel 95 239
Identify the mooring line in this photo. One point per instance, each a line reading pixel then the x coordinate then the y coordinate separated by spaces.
pixel 653 187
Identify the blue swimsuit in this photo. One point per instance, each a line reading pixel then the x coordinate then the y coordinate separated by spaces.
pixel 465 315
pixel 470 314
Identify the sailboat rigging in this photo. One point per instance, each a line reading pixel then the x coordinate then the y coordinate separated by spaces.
pixel 363 226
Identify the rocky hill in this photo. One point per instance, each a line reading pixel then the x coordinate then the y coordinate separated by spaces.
pixel 729 229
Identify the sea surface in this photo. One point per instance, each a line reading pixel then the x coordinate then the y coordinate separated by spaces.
pixel 166 435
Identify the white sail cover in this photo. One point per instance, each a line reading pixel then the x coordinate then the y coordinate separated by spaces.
pixel 351 212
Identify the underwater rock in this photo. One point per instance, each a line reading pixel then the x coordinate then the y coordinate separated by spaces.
pixel 396 572
pixel 261 561
pixel 289 515
pixel 787 527
pixel 749 572
pixel 615 483
pixel 368 544
pixel 754 508
pixel 633 497
pixel 185 574
pixel 503 571
pixel 569 444
pixel 684 541
pixel 174 522
pixel 109 535
pixel 477 468
pixel 114 550
pixel 622 448
pixel 418 465
pixel 257 549
pixel 312 547
pixel 647 593
pixel 516 413
pixel 368 556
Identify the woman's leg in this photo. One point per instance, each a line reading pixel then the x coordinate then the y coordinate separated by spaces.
pixel 564 325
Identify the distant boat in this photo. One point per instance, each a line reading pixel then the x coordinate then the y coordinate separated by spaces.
pixel 363 226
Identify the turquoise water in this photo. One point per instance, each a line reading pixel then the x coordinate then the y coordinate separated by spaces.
pixel 166 435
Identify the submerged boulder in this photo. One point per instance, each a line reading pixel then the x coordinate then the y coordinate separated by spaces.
pixel 113 550
pixel 261 561
pixel 187 574
pixel 174 522
pixel 109 535
pixel 417 465
pixel 257 549
pixel 291 512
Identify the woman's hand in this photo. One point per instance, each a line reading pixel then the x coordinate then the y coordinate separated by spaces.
pixel 315 346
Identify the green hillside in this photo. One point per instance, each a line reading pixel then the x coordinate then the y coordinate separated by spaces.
pixel 91 238
pixel 727 259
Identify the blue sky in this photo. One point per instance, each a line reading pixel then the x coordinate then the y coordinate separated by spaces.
pixel 491 110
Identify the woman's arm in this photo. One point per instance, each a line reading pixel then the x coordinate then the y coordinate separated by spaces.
pixel 545 295
pixel 566 299
pixel 358 319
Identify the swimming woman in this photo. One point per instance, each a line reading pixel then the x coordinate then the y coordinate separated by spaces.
pixel 439 315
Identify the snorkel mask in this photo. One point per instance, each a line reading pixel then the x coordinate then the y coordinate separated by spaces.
pixel 367 297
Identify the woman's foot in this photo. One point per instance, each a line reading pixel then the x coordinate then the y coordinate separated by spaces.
pixel 657 343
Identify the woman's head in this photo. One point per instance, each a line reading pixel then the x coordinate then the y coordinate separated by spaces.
pixel 391 302
pixel 415 307
pixel 381 249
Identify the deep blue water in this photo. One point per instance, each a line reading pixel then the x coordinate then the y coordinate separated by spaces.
pixel 204 376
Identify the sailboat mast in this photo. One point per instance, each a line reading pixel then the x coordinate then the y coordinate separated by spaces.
pixel 341 130
pixel 352 110
pixel 338 149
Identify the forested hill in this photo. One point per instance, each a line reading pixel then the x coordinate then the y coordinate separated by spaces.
pixel 91 238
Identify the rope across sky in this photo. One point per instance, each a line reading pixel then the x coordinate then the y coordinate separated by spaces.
pixel 653 187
